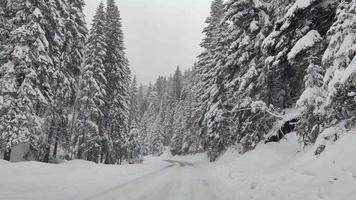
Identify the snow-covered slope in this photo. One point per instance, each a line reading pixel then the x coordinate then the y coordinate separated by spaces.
pixel 281 171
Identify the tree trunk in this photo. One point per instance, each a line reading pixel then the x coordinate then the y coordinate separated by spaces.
pixel 107 158
pixel 55 147
pixel 7 155
pixel 48 145
pixel 102 156
pixel 80 147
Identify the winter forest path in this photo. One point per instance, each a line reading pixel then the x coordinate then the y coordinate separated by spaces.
pixel 178 181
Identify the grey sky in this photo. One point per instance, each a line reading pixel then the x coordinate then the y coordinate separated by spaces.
pixel 160 34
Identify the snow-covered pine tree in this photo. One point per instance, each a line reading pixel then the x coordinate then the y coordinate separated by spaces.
pixel 62 83
pixel 192 142
pixel 148 121
pixel 72 58
pixel 90 131
pixel 177 85
pixel 133 105
pixel 118 81
pixel 168 114
pixel 26 72
pixel 339 60
pixel 235 71
pixel 75 40
pixel 311 123
pixel 133 146
pixel 286 58
pixel 155 134
pixel 185 138
pixel 176 142
pixel 204 71
pixel 76 35
pixel 140 102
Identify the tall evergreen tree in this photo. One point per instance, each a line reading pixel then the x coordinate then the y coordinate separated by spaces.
pixel 177 85
pixel 133 146
pixel 118 78
pixel 205 69
pixel 339 60
pixel 91 100
pixel 26 74
pixel 72 60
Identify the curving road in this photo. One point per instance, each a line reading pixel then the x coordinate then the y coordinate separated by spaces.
pixel 178 181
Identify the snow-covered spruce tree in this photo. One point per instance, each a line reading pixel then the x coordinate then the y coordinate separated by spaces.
pixel 133 105
pixel 339 60
pixel 26 70
pixel 149 122
pixel 185 135
pixel 286 58
pixel 133 146
pixel 228 118
pixel 169 94
pixel 310 123
pixel 205 69
pixel 118 78
pixel 55 122
pixel 176 142
pixel 76 35
pixel 72 57
pixel 140 102
pixel 192 141
pixel 309 102
pixel 156 138
pixel 293 51
pixel 177 85
pixel 88 136
pixel 168 114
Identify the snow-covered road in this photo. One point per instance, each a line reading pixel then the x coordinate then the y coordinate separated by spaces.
pixel 177 181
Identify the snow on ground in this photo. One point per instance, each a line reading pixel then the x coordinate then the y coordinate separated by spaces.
pixel 71 180
pixel 285 171
pixel 274 171
pixel 4 162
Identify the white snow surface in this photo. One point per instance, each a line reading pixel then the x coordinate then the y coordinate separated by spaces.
pixel 274 171
pixel 281 171
pixel 73 180
pixel 306 42
pixel 299 4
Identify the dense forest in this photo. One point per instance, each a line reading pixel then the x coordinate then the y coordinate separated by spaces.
pixel 63 89
pixel 268 68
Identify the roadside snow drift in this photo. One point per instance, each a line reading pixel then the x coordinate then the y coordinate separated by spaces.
pixel 72 180
pixel 283 171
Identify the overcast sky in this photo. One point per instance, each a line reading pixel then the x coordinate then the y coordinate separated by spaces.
pixel 159 34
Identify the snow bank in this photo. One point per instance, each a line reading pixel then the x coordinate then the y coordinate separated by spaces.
pixel 79 162
pixel 4 162
pixel 281 171
pixel 70 180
